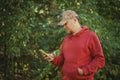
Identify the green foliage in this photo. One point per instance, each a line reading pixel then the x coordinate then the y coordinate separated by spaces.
pixel 26 26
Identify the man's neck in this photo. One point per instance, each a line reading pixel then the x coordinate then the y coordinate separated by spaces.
pixel 77 30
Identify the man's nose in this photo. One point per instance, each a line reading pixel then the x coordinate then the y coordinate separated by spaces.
pixel 64 26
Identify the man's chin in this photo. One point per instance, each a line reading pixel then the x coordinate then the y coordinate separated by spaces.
pixel 70 33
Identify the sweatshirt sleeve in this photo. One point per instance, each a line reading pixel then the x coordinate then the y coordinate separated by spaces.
pixel 98 60
pixel 59 60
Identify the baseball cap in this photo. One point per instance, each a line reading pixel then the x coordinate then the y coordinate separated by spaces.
pixel 68 14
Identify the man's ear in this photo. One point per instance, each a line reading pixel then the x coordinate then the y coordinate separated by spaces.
pixel 75 19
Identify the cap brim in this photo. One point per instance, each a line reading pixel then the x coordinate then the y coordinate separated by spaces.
pixel 61 23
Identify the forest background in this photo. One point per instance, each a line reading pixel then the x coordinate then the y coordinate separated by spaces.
pixel 28 25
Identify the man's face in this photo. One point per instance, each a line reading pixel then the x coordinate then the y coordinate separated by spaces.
pixel 69 25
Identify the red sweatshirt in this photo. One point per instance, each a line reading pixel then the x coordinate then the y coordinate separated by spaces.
pixel 82 50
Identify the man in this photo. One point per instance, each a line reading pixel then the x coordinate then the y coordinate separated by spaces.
pixel 81 53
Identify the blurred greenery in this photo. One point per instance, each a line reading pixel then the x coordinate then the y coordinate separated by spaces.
pixel 28 25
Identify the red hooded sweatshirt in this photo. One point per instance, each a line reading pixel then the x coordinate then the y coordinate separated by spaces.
pixel 82 50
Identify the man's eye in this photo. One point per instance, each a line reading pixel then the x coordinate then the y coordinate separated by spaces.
pixel 65 23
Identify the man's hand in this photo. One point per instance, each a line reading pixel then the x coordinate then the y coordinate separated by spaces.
pixel 80 71
pixel 48 57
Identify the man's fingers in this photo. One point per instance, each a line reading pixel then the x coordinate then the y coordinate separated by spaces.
pixel 80 71
pixel 48 57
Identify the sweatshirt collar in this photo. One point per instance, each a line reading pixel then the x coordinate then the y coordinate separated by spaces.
pixel 84 28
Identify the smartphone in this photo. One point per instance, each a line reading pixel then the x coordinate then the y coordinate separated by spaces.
pixel 43 52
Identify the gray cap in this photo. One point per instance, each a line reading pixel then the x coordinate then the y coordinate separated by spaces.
pixel 68 14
